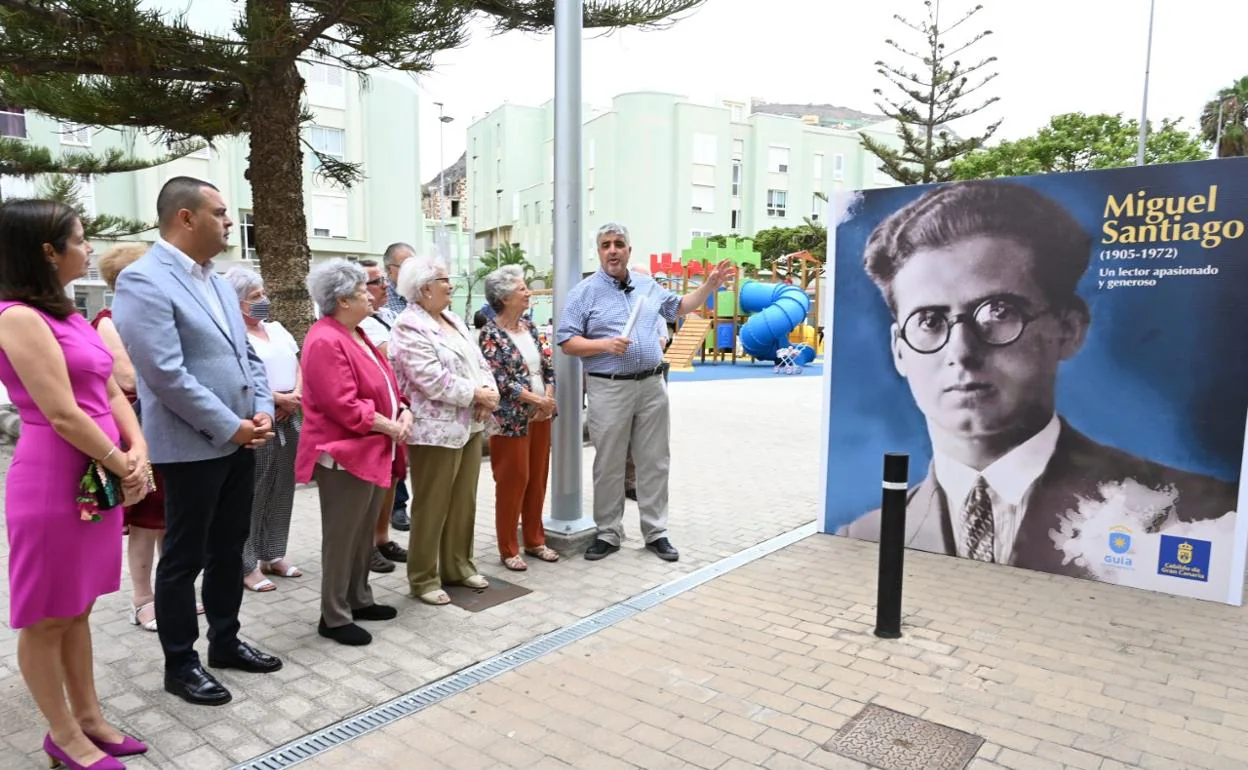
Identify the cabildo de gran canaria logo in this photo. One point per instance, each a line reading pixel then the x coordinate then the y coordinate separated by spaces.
pixel 1120 548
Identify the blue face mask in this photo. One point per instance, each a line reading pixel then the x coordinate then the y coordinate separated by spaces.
pixel 259 309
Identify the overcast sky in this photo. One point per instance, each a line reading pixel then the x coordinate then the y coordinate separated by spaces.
pixel 1053 56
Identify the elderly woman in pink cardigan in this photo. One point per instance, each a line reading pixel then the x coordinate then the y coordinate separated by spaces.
pixel 452 394
pixel 354 423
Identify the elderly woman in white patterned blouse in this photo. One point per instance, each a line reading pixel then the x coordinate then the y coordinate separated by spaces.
pixel 452 393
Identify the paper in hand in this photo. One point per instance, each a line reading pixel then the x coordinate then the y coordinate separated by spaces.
pixel 638 304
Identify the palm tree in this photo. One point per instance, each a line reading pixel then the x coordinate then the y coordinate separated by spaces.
pixel 1231 135
pixel 506 254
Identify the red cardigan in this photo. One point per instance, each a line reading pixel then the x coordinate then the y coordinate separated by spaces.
pixel 342 390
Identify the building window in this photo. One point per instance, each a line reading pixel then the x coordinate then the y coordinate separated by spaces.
pixel 526 214
pixel 700 233
pixel 736 112
pixel 589 201
pixel 738 149
pixel 75 134
pixel 817 170
pixel 329 216
pixel 776 202
pixel 537 213
pixel 838 166
pixel 12 122
pixel 326 84
pixel 736 220
pixel 86 194
pixel 15 187
pixel 736 179
pixel 454 209
pixel 816 207
pixel 703 198
pixel 778 160
pixel 327 141
pixel 704 149
pixel 247 233
pixel 498 136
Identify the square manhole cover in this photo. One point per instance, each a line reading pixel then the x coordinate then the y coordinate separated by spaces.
pixel 891 740
pixel 477 599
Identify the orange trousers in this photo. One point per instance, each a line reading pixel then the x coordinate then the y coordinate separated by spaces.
pixel 520 465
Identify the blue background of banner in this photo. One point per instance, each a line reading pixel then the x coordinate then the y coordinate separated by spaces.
pixel 1163 374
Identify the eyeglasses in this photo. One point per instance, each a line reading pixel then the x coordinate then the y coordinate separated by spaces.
pixel 376 282
pixel 996 322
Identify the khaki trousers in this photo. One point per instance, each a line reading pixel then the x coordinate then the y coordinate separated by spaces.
pixel 624 412
pixel 349 509
pixel 444 512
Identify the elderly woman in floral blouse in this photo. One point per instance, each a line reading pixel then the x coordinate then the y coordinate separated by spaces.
pixel 520 440
pixel 441 372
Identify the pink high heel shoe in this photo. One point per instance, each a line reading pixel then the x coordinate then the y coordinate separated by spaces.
pixel 58 758
pixel 128 747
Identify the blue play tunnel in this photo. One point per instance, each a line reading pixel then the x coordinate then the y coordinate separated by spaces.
pixel 778 309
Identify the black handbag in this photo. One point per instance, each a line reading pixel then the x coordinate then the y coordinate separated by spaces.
pixel 99 490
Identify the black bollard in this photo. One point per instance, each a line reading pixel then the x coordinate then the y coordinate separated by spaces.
pixel 892 546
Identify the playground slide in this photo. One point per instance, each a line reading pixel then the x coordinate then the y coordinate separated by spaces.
pixel 778 309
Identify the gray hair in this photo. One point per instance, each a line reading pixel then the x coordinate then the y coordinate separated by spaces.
pixel 416 273
pixel 501 283
pixel 613 227
pixel 393 250
pixel 244 280
pixel 331 281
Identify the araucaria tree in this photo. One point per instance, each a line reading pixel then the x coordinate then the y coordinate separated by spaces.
pixel 120 63
pixel 935 95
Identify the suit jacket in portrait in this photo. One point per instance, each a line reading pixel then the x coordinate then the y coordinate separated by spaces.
pixel 196 382
pixel 511 373
pixel 1074 474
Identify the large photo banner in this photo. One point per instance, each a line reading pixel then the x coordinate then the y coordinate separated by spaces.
pixel 1064 358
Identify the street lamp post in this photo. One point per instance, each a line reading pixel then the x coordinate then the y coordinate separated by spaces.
pixel 440 236
pixel 1148 61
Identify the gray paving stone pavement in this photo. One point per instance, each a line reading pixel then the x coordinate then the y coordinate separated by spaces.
pixel 745 461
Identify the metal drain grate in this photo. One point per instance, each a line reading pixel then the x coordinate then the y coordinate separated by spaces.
pixel 361 724
pixel 891 740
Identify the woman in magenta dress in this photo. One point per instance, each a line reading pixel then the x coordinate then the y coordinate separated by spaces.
pixel 58 374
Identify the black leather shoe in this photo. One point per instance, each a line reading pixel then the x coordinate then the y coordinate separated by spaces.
pixel 379 563
pixel 664 549
pixel 244 657
pixel 350 634
pixel 400 520
pixel 392 551
pixel 195 685
pixel 600 550
pixel 631 493
pixel 375 612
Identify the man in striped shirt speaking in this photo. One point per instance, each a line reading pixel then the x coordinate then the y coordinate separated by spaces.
pixel 610 322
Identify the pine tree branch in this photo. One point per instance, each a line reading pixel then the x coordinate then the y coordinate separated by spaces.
pixel 539 15
pixel 19 158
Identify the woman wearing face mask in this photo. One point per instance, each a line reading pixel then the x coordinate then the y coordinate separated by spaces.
pixel 265 551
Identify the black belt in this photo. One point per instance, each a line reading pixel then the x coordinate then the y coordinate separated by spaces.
pixel 634 376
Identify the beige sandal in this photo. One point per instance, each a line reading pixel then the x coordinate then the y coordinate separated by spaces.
pixel 149 625
pixel 515 564
pixel 545 553
pixel 438 597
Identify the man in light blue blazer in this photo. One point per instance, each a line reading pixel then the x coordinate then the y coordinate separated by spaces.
pixel 205 404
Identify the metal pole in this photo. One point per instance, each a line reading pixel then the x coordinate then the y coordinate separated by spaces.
pixel 892 546
pixel 1148 62
pixel 565 500
pixel 441 161
pixel 1217 136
